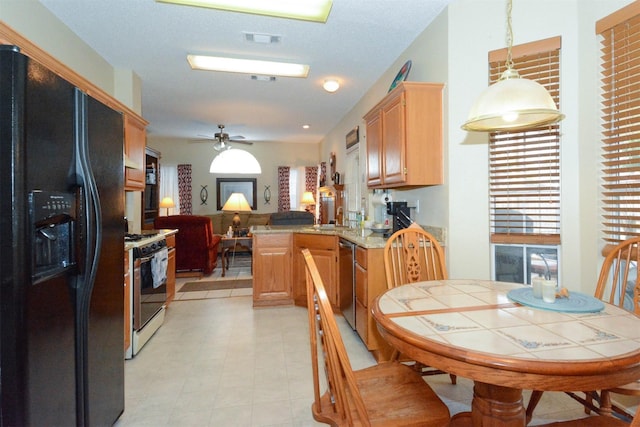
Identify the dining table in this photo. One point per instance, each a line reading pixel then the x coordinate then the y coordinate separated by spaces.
pixel 506 340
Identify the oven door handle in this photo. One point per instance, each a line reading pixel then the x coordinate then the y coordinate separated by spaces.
pixel 145 259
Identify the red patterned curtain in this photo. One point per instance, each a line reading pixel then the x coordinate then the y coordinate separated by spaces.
pixel 311 179
pixel 184 189
pixel 284 202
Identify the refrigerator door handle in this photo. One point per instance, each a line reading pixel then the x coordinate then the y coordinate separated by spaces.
pixel 92 243
pixel 89 189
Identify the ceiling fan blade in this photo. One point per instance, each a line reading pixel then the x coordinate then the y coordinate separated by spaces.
pixel 209 140
pixel 241 142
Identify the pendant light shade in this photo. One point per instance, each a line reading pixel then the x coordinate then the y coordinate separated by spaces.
pixel 235 161
pixel 512 103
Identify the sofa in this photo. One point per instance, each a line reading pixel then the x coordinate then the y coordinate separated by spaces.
pixel 292 218
pixel 196 242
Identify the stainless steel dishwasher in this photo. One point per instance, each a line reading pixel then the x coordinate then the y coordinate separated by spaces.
pixel 347 281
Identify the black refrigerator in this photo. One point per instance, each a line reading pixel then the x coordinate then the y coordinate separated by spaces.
pixel 61 251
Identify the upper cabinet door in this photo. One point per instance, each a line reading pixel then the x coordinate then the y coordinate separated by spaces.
pixel 374 148
pixel 135 136
pixel 404 146
pixel 394 143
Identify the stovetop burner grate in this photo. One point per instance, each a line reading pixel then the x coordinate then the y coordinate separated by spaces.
pixel 132 237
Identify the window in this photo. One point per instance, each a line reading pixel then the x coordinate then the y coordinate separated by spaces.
pixel 520 263
pixel 293 188
pixel 620 185
pixel 524 172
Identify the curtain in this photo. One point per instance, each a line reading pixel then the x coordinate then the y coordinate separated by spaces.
pixel 311 178
pixel 169 187
pixel 311 183
pixel 184 189
pixel 284 202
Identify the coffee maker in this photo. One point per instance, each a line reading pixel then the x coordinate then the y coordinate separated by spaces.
pixel 399 212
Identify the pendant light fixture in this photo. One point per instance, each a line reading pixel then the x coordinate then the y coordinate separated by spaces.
pixel 512 103
pixel 235 161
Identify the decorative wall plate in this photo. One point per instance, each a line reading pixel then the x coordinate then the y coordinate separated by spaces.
pixel 402 75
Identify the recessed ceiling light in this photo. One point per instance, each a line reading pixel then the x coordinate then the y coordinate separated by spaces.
pixel 247 66
pixel 331 85
pixel 309 10
pixel 305 126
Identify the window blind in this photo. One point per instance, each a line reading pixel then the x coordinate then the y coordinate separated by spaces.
pixel 524 166
pixel 620 112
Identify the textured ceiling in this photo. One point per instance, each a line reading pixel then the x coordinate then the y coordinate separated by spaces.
pixel 357 44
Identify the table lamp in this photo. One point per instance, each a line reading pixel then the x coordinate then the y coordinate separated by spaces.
pixel 236 203
pixel 167 202
pixel 308 200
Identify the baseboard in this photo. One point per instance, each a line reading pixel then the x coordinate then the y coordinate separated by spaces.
pixel 197 274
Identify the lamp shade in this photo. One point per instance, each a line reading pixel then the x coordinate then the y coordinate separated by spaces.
pixel 511 104
pixel 307 198
pixel 167 202
pixel 236 203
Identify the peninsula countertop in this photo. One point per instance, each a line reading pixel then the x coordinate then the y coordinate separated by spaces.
pixel 363 238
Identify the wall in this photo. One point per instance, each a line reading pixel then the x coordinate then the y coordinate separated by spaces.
pixel 270 155
pixel 34 21
pixel 453 50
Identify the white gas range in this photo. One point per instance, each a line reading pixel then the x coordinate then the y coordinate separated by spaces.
pixel 148 263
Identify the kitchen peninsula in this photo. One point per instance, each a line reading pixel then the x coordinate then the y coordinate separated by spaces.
pixel 279 271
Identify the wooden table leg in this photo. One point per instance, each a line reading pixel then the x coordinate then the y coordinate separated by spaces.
pixel 224 253
pixel 492 406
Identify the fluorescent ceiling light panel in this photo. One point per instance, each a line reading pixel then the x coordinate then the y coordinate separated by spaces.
pixel 308 10
pixel 247 66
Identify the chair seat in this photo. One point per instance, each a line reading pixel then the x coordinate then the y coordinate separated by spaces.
pixel 595 421
pixel 420 405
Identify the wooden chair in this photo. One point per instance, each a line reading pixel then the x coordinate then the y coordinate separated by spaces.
pixel 618 284
pixel 414 255
pixel 389 394
pixel 598 421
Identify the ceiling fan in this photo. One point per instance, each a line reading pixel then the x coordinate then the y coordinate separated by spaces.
pixel 222 139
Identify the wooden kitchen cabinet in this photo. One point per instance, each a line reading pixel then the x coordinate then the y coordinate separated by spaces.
pixel 151 193
pixel 324 249
pixel 404 137
pixel 135 139
pixel 272 269
pixel 370 282
pixel 171 268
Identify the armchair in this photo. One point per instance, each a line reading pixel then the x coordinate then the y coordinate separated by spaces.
pixel 196 245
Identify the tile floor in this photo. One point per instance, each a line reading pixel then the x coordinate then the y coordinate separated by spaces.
pixel 216 361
